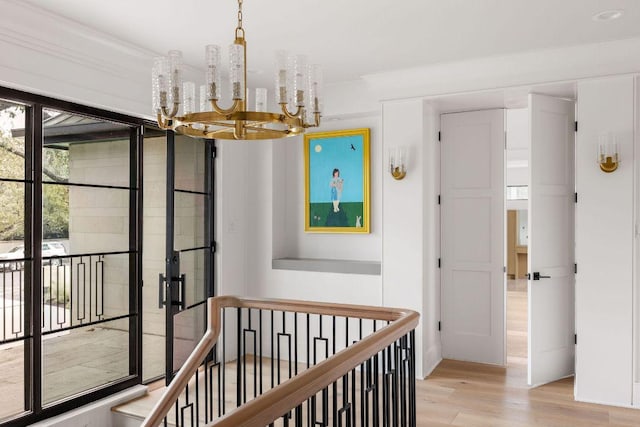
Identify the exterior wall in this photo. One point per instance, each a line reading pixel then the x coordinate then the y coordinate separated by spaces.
pixel 99 218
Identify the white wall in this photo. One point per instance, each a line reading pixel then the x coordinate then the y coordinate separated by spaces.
pixel 604 244
pixel 275 217
pixel 288 201
pixel 409 252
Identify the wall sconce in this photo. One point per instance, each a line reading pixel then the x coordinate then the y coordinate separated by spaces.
pixel 398 162
pixel 608 156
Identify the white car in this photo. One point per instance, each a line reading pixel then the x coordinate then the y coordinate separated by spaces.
pixel 49 249
pixel 15 253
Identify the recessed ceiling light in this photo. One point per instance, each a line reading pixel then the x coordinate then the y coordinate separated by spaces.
pixel 608 15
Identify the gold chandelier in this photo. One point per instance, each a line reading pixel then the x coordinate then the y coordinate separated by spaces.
pixel 298 92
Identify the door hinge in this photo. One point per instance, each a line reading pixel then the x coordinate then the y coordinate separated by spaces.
pixel 214 247
pixel 439 325
pixel 439 199
pixel 575 268
pixel 504 269
pixel 214 152
pixel 439 262
pixel 576 197
pixel 575 338
pixel 576 126
pixel 439 136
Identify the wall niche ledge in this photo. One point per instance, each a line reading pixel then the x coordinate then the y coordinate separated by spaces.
pixel 372 268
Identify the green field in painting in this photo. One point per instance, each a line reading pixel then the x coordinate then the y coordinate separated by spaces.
pixel 322 215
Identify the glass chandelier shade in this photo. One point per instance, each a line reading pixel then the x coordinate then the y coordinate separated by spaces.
pixel 298 92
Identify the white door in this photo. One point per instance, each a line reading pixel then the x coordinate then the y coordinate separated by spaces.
pixel 473 229
pixel 551 239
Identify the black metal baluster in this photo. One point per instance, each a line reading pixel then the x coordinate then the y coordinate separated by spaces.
pixel 394 386
pixel 376 384
pixel 402 376
pixel 197 399
pixel 208 409
pixel 295 343
pixel 412 379
pixel 298 415
pixel 239 355
pixel 272 350
pixel 222 392
pixel 311 401
pixel 90 289
pixel 71 297
pixel 260 338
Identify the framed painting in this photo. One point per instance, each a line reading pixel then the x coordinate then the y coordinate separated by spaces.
pixel 336 175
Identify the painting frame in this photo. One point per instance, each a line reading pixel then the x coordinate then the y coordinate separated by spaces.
pixel 332 203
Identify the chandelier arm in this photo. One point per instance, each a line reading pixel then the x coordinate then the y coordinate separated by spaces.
pixel 289 115
pixel 316 122
pixel 174 110
pixel 232 109
pixel 164 123
pixel 259 129
pixel 223 124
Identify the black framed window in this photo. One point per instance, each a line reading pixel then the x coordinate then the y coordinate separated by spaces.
pixel 70 283
pixel 16 188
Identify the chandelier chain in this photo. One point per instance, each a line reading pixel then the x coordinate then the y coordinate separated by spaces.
pixel 239 15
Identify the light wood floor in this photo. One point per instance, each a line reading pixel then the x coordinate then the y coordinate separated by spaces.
pixel 468 394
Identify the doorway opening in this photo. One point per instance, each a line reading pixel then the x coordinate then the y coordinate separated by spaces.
pixel 517 220
pixel 507 216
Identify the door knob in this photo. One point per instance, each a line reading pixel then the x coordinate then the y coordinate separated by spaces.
pixel 537 276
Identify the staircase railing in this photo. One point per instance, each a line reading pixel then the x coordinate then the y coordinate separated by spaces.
pixel 299 363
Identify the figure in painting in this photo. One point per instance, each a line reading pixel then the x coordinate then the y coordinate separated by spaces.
pixel 336 189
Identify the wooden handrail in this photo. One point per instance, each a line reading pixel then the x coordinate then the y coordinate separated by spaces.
pixel 272 404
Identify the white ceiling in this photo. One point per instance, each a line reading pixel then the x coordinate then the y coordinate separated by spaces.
pixel 351 38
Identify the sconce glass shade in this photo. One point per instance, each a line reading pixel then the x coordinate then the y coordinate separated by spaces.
pixel 398 162
pixel 608 157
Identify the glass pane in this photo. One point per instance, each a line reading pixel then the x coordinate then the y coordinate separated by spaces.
pixel 84 150
pixel 192 265
pixel 153 256
pixel 189 327
pixel 189 168
pixel 12 379
pixel 84 358
pixel 11 220
pixel 12 292
pixel 12 150
pixel 85 219
pixel 189 220
pixel 77 290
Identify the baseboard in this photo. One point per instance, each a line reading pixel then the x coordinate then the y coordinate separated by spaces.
pixel 636 395
pixel 597 402
pixel 431 360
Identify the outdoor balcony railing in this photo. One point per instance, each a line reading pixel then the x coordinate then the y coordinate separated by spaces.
pixel 72 292
pixel 298 363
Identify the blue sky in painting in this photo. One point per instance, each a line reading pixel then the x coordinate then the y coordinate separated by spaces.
pixel 325 154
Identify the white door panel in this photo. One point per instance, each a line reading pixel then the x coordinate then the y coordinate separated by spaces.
pixel 551 239
pixel 472 218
